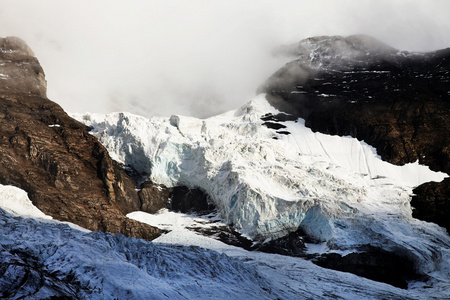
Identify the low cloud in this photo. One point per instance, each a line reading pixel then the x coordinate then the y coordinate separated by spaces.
pixel 195 58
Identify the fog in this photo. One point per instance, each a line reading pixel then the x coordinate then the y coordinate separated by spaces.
pixel 195 58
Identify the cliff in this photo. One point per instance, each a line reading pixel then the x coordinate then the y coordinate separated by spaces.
pixel 66 172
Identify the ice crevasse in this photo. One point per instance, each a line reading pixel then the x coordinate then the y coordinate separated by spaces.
pixel 268 184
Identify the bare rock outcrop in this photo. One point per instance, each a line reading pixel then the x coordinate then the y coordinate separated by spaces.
pixel 66 172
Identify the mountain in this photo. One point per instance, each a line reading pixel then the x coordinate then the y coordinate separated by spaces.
pixel 66 172
pixel 223 197
pixel 394 100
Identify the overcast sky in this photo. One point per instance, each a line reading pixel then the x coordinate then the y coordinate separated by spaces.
pixel 194 57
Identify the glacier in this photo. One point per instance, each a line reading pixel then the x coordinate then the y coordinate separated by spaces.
pixel 265 183
pixel 265 187
pixel 43 258
pixel 268 182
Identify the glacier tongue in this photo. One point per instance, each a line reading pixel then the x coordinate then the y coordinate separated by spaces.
pixel 264 186
pixel 268 183
pixel 45 259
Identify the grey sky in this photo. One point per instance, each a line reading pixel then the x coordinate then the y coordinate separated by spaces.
pixel 194 57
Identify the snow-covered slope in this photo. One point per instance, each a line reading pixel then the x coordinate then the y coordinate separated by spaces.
pixel 43 258
pixel 15 201
pixel 40 259
pixel 268 183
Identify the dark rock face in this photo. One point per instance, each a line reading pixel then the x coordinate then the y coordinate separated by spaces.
pixel 292 244
pixel 398 102
pixel 66 172
pixel 153 197
pixel 185 200
pixel 179 198
pixel 226 234
pixel 431 202
pixel 373 263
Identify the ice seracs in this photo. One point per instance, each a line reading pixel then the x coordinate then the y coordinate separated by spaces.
pixel 267 182
pixel 265 187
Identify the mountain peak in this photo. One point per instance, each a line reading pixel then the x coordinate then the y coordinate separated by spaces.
pixel 15 44
pixel 394 100
pixel 359 42
pixel 337 51
pixel 20 69
pixel 65 171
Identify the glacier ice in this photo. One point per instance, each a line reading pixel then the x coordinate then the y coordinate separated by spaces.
pixel 41 258
pixel 265 187
pixel 267 184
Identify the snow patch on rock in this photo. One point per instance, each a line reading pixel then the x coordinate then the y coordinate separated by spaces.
pixel 16 202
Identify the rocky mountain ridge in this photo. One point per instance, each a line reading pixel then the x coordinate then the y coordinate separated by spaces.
pixel 396 101
pixel 66 172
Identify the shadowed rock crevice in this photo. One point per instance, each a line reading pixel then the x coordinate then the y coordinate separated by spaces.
pixel 292 244
pixel 190 200
pixel 372 263
pixel 153 197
